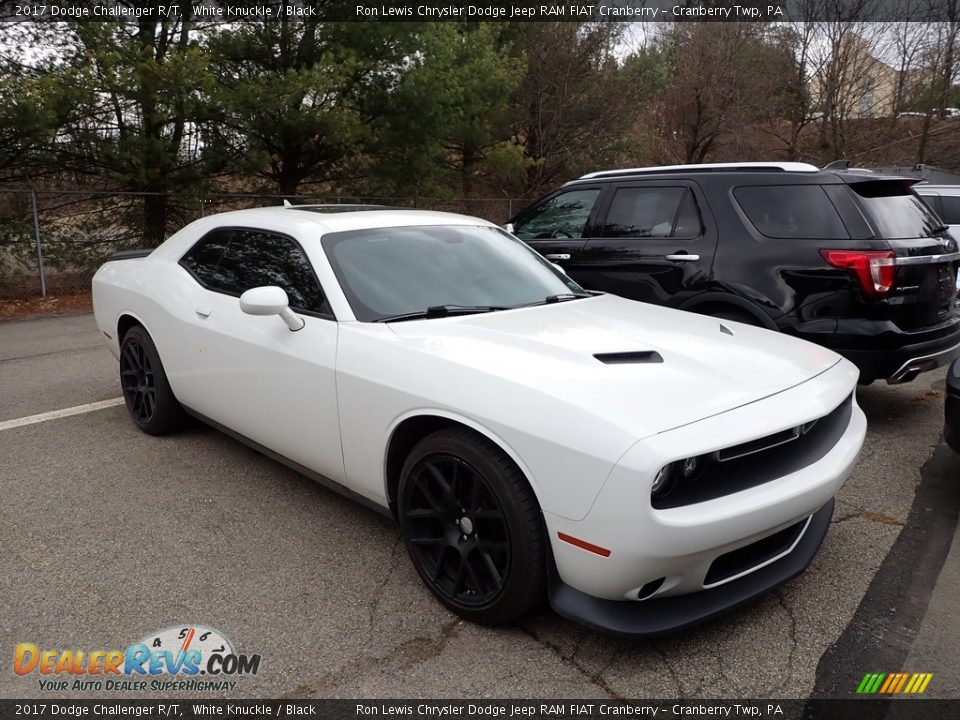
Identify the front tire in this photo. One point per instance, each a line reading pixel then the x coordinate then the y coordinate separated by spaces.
pixel 472 527
pixel 146 391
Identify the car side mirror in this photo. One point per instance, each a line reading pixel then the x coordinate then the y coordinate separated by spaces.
pixel 509 228
pixel 560 268
pixel 270 300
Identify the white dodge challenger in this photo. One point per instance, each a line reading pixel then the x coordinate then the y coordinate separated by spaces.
pixel 646 468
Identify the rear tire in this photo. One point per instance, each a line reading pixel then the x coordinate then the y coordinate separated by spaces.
pixel 473 527
pixel 146 391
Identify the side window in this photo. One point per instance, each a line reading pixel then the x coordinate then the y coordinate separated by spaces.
pixel 792 212
pixel 252 259
pixel 652 212
pixel 562 216
pixel 203 259
pixel 933 202
pixel 951 209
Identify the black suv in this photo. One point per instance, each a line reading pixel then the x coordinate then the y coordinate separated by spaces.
pixel 844 258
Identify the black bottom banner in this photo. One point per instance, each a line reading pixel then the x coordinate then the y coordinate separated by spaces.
pixel 855 709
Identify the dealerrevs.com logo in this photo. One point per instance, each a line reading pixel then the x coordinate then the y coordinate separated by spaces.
pixel 185 657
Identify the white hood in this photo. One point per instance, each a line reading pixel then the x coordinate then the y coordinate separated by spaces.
pixel 551 349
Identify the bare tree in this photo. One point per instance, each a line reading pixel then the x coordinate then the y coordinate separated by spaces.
pixel 715 87
pixel 574 107
pixel 846 87
pixel 940 60
pixel 787 119
pixel 909 39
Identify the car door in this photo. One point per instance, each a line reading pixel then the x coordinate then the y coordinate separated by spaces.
pixel 558 226
pixel 253 375
pixel 656 243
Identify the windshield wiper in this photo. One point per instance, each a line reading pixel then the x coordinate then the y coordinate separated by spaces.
pixel 561 297
pixel 438 311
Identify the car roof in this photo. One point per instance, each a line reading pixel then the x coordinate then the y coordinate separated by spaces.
pixel 330 219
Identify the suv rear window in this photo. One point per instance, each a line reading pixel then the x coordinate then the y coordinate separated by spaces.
pixel 791 212
pixel 895 211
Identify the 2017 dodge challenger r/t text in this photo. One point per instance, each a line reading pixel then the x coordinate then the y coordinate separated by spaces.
pixel 645 468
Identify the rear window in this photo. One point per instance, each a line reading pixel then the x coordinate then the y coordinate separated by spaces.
pixel 895 211
pixel 791 212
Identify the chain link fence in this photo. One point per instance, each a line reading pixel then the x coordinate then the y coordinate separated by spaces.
pixel 52 242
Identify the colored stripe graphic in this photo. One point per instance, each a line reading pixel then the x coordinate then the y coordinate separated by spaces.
pixel 894 683
pixel 862 687
pixel 890 681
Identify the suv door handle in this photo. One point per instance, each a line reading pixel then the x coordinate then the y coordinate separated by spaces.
pixel 682 257
pixel 558 256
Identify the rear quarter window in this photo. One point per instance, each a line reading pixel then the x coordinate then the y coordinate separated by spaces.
pixel 791 212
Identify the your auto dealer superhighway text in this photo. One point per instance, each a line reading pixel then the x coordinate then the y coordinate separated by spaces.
pixel 565 709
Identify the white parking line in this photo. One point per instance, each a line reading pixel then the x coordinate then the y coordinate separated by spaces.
pixel 55 414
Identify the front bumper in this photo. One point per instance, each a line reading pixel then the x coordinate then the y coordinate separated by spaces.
pixel 666 615
pixel 952 410
pixel 680 545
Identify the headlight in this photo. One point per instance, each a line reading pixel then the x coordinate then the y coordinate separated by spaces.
pixel 666 479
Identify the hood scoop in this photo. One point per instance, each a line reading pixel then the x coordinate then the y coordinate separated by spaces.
pixel 630 358
pixel 725 330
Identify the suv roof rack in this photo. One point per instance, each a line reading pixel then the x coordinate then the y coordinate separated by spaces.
pixel 707 167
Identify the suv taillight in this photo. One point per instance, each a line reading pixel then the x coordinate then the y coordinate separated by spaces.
pixel 876 270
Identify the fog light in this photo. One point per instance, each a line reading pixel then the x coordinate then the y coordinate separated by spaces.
pixel 650 588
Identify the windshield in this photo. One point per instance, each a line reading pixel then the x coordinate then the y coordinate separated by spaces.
pixel 386 272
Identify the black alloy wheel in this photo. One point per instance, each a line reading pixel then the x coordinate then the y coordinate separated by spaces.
pixel 138 382
pixel 472 527
pixel 146 391
pixel 457 530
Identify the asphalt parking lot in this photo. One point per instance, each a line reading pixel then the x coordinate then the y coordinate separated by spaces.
pixel 107 534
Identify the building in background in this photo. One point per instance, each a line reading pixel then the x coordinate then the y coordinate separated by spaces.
pixel 856 84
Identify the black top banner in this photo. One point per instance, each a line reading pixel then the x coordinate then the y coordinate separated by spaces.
pixel 649 11
pixel 862 709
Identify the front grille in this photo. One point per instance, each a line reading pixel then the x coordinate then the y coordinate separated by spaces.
pixel 759 461
pixel 750 556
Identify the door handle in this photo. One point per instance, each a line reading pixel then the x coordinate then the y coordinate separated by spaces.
pixel 203 310
pixel 682 257
pixel 558 256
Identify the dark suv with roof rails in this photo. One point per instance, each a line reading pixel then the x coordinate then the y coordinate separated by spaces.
pixel 847 259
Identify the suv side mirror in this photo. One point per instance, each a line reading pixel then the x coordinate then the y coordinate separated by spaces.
pixel 509 228
pixel 270 300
